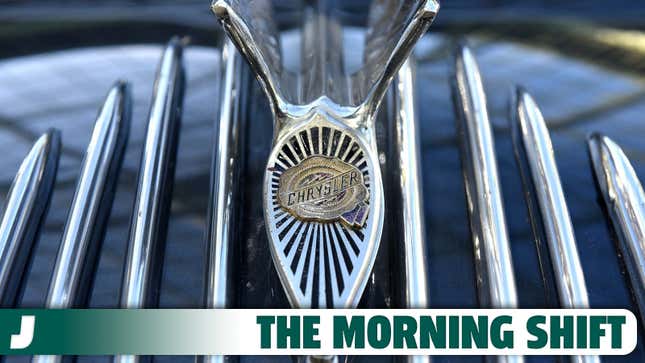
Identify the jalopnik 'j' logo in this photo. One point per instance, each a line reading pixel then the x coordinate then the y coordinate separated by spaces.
pixel 324 189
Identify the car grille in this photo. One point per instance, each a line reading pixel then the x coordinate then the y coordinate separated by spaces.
pixel 611 107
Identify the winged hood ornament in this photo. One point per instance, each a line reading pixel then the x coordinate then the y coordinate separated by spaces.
pixel 323 193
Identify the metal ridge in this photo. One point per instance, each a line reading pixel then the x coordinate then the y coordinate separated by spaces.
pixel 416 287
pixel 25 212
pixel 624 197
pixel 496 281
pixel 77 259
pixel 142 270
pixel 483 189
pixel 531 139
pixel 407 150
pixel 224 173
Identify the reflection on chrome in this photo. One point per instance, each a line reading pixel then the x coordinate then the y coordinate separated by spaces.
pixel 416 288
pixel 78 253
pixel 225 171
pixel 484 196
pixel 414 241
pixel 323 193
pixel 531 135
pixel 76 260
pixel 624 199
pixel 152 203
pixel 488 223
pixel 25 210
pixel 394 27
pixel 324 243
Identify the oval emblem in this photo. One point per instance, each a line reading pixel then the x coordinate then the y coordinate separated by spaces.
pixel 324 189
pixel 323 204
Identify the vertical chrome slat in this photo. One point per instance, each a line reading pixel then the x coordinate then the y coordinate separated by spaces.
pixel 416 284
pixel 75 266
pixel 24 214
pixel 625 201
pixel 482 182
pixel 154 188
pixel 221 213
pixel 531 135
pixel 484 196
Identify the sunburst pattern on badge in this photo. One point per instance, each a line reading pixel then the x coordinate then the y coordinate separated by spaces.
pixel 320 261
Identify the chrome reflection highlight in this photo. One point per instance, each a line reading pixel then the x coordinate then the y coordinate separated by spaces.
pixel 24 214
pixel 410 181
pixel 324 248
pixel 77 258
pixel 495 280
pixel 416 288
pixel 394 27
pixel 224 188
pixel 530 134
pixel 149 224
pixel 483 191
pixel 624 199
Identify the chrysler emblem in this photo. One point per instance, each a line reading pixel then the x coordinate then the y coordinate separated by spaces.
pixel 324 189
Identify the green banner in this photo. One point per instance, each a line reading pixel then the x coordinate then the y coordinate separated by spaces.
pixel 317 332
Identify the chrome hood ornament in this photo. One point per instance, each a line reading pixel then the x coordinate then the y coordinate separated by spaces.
pixel 323 194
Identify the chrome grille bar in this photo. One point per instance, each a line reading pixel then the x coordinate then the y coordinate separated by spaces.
pixel 407 148
pixel 416 287
pixel 496 280
pixel 222 208
pixel 482 182
pixel 75 266
pixel 25 211
pixel 624 199
pixel 531 136
pixel 154 188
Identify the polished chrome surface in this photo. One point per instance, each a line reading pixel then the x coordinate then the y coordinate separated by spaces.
pixel 414 241
pixel 530 130
pixel 415 289
pixel 152 203
pixel 484 193
pixel 77 259
pixel 323 132
pixel 26 207
pixel 555 214
pixel 625 201
pixel 393 28
pixel 70 283
pixel 496 280
pixel 224 188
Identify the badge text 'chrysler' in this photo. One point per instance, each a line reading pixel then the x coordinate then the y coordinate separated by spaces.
pixel 324 189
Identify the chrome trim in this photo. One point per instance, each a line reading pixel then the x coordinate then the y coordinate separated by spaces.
pixel 536 142
pixel 410 181
pixel 222 208
pixel 483 190
pixel 530 133
pixel 313 106
pixel 392 33
pixel 495 280
pixel 414 241
pixel 624 199
pixel 77 259
pixel 148 229
pixel 83 234
pixel 25 211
